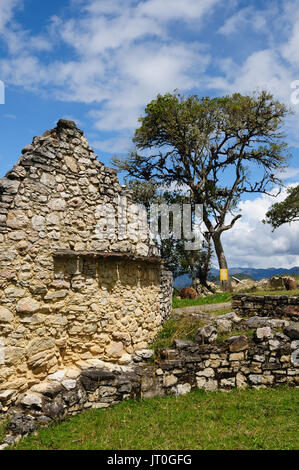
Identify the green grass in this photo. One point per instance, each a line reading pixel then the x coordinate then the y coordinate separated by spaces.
pixel 235 332
pixel 210 299
pixel 263 419
pixel 184 327
pixel 181 327
pixel 3 425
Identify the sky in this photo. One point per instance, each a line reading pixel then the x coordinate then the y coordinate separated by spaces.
pixel 99 62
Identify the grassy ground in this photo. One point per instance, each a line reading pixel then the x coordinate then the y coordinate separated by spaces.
pixel 270 292
pixel 3 424
pixel 210 299
pixel 182 327
pixel 247 419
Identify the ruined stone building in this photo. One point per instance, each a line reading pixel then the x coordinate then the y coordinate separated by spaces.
pixel 74 285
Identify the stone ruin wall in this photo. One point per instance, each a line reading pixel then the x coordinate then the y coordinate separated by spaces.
pixel 62 298
pixel 279 306
pixel 266 361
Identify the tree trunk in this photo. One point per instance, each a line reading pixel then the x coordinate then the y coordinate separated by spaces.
pixel 226 285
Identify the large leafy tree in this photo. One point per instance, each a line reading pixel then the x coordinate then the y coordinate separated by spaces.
pixel 285 211
pixel 219 148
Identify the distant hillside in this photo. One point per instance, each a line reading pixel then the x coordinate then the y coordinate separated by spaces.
pixel 257 274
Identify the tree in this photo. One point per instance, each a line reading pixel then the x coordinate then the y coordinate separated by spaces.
pixel 180 261
pixel 211 145
pixel 286 211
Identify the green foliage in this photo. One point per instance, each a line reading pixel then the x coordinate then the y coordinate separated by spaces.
pixel 197 141
pixel 286 211
pixel 271 292
pixel 235 332
pixel 242 276
pixel 184 327
pixel 3 428
pixel 251 419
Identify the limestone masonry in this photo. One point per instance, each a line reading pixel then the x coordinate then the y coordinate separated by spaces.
pixel 83 293
pixel 280 306
pixel 74 285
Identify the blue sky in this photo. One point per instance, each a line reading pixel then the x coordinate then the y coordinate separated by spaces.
pixel 100 61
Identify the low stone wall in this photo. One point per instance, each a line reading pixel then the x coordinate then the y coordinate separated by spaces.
pixel 266 360
pixel 278 306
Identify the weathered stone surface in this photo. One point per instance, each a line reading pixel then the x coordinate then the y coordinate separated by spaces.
pixel 38 223
pixel 32 400
pixel 223 325
pixel 6 315
pixel 27 305
pixel 209 367
pixel 232 316
pixel 74 285
pixel 206 334
pixel 256 322
pixel 115 349
pixel 262 309
pixel 263 334
pixel 17 219
pixel 170 380
pixel 183 389
pixel 9 186
pixel 38 345
pixel 238 343
pixel 239 356
pixel 91 378
pixel 13 354
pixel 54 410
pixel 292 330
pixel 255 379
pixel 6 394
pixel 22 424
pixel 49 389
pixel 182 344
pixel 208 372
pixel 144 354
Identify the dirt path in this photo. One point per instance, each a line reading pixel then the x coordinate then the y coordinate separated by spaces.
pixel 202 308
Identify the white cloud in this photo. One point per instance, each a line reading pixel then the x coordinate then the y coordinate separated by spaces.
pixel 253 244
pixel 244 18
pixel 121 143
pixel 124 56
pixel 18 40
pixel 288 173
pixel 7 10
pixel 176 9
pixel 124 53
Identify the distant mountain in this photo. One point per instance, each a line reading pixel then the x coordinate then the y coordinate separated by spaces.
pixel 257 274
